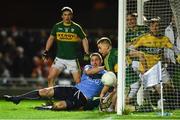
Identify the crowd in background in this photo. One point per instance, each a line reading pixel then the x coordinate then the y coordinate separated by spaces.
pixel 21 49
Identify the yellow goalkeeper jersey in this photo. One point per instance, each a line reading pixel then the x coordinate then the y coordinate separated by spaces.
pixel 152 48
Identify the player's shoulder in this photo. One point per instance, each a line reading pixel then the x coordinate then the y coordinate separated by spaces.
pixel 76 24
pixel 144 36
pixel 58 23
pixel 140 38
pixel 165 37
pixel 114 51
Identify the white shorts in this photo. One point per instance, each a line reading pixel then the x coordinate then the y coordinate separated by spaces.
pixel 149 79
pixel 134 89
pixel 64 64
pixel 135 65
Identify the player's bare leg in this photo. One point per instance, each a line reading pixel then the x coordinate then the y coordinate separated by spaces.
pixel 32 95
pixel 46 92
pixel 76 77
pixel 53 73
pixel 114 102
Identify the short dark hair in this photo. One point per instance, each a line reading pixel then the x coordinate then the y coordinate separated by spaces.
pixel 104 40
pixel 67 9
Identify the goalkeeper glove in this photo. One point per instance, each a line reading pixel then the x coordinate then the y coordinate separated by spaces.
pixel 45 55
pixel 178 59
pixel 86 57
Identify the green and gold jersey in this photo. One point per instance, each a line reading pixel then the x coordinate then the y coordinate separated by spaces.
pixel 132 34
pixel 68 38
pixel 152 47
pixel 110 60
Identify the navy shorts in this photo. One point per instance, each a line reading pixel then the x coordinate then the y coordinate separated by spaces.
pixel 74 97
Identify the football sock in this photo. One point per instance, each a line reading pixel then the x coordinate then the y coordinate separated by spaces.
pixel 33 95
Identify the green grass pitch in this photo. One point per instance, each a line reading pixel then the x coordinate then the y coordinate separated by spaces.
pixel 25 110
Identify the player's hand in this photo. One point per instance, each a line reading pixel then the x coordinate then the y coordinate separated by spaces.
pixel 86 57
pixel 45 55
pixel 178 59
pixel 101 98
pixel 101 67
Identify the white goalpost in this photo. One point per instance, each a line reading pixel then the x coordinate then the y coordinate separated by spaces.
pixel 121 60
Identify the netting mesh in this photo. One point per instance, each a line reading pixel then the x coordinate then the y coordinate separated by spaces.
pixel 152 56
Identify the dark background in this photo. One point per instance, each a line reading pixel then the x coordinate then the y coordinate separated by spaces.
pixel 45 13
pixel 25 26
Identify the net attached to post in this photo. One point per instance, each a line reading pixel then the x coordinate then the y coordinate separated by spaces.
pixel 152 40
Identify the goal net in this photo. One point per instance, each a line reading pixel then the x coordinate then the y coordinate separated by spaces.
pixel 152 79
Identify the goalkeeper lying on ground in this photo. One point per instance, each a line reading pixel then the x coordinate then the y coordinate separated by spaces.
pixel 70 98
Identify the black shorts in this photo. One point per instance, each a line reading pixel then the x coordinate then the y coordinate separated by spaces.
pixel 74 97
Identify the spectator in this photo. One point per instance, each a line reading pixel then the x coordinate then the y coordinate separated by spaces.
pixel 4 72
pixel 40 69
pixel 173 66
pixel 21 64
pixel 133 31
pixel 171 33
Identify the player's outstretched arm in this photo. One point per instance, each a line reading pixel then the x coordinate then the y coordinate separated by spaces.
pixel 85 44
pixel 94 70
pixel 48 46
pixel 104 91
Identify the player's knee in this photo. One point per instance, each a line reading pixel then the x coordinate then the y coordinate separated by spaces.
pixel 60 105
pixel 76 77
pixel 46 92
pixel 77 80
pixel 43 92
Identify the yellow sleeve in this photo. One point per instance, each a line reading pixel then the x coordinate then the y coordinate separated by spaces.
pixel 116 68
pixel 137 42
pixel 168 43
pixel 178 59
pixel 128 60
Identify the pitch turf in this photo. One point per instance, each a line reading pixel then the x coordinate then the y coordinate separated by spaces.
pixel 25 110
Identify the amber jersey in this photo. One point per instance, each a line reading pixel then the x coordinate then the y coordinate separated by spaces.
pixel 152 47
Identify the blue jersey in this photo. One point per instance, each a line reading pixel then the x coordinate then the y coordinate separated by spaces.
pixel 90 85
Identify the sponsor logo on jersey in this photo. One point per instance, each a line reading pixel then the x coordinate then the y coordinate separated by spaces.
pixel 61 36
